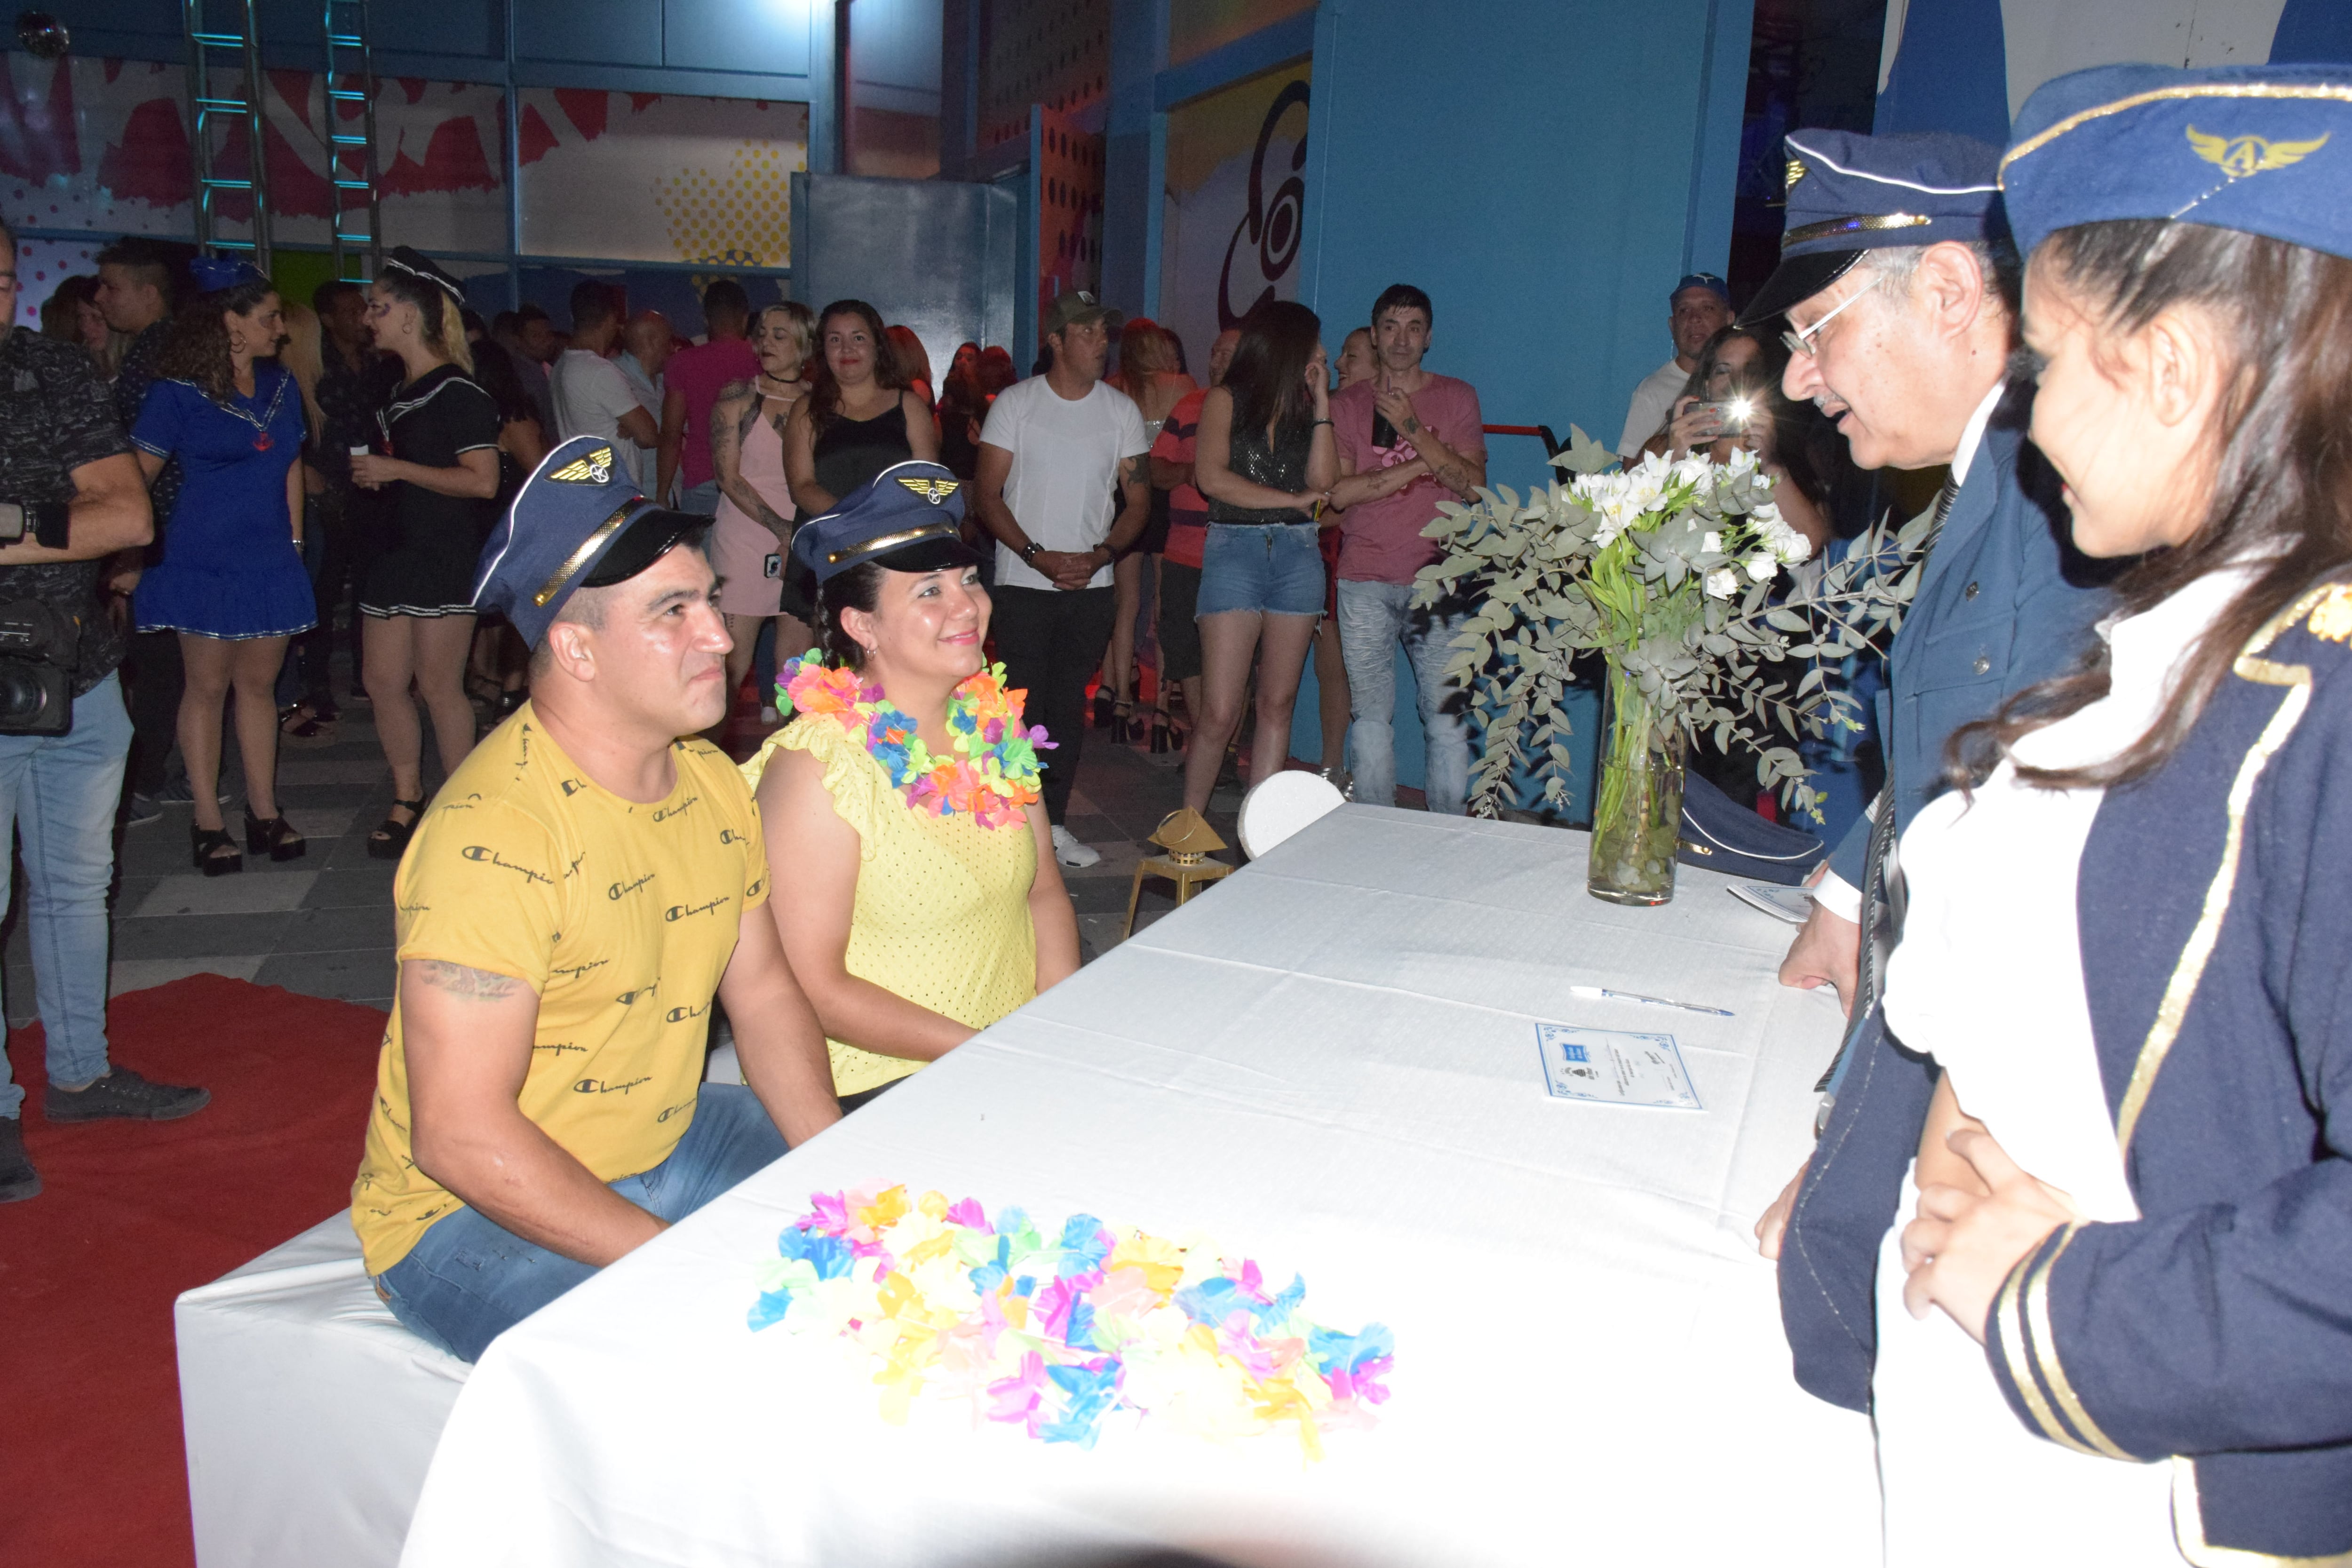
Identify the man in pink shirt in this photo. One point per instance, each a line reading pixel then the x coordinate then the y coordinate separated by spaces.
pixel 1408 439
pixel 695 378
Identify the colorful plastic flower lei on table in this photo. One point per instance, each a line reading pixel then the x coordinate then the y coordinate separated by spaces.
pixel 994 775
pixel 1055 1334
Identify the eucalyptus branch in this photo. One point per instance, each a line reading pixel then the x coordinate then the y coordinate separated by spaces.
pixel 1678 574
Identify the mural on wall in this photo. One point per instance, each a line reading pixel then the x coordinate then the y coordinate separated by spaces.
pixel 658 177
pixel 1069 209
pixel 42 265
pixel 103 145
pixel 1234 207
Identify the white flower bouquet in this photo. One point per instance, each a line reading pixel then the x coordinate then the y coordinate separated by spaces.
pixel 1668 570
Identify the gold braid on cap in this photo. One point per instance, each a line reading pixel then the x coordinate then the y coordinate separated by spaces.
pixel 579 558
pixel 1878 223
pixel 892 542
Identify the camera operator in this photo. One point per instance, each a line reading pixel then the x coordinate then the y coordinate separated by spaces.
pixel 70 493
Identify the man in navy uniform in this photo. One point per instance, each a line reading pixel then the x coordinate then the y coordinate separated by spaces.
pixel 1899 282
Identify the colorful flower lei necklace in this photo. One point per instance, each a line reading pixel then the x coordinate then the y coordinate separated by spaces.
pixel 994 777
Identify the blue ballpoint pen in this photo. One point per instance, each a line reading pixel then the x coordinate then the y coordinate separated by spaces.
pixel 1603 993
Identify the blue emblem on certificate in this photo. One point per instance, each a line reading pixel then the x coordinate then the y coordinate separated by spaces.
pixel 1614 1066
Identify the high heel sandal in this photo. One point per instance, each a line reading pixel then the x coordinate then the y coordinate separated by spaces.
pixel 207 844
pixel 389 841
pixel 274 836
pixel 1125 727
pixel 1106 707
pixel 1163 734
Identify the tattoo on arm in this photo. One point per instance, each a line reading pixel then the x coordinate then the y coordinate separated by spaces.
pixel 473 984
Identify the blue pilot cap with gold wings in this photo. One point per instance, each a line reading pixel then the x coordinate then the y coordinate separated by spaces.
pixel 906 518
pixel 1850 194
pixel 578 521
pixel 2264 150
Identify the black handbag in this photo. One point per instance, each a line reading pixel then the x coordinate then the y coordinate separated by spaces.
pixel 1724 836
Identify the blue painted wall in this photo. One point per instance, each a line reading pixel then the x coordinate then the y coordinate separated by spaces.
pixel 1546 169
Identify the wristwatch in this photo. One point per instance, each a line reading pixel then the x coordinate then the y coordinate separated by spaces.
pixel 1030 551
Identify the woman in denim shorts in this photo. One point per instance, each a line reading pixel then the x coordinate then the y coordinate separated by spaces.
pixel 1266 461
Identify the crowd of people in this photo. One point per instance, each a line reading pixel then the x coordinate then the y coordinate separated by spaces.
pixel 2079 1202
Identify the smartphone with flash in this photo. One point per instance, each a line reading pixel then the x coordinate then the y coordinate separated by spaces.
pixel 1730 415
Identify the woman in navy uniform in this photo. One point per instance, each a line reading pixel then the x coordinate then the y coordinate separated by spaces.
pixel 2112 1313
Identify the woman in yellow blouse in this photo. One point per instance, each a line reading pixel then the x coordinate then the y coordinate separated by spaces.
pixel 916 888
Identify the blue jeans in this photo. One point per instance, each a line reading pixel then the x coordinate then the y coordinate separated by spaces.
pixel 468 1279
pixel 61 792
pixel 1271 568
pixel 1373 618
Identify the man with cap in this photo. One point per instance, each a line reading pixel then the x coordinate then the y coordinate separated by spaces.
pixel 2094 1298
pixel 581 887
pixel 1698 307
pixel 1897 278
pixel 1056 449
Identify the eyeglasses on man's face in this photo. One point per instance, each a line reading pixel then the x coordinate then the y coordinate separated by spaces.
pixel 1801 340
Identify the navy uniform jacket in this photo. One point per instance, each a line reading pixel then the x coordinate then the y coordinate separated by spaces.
pixel 2216 919
pixel 1994 614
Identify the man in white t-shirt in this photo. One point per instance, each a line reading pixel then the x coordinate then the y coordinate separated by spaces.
pixel 1700 307
pixel 592 397
pixel 1055 450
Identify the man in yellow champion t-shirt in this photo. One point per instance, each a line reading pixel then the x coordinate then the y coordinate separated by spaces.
pixel 570 904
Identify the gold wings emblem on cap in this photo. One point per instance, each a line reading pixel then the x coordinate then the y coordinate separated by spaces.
pixel 931 490
pixel 1796 172
pixel 2241 157
pixel 595 469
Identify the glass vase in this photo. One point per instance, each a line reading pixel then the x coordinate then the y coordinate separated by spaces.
pixel 1637 817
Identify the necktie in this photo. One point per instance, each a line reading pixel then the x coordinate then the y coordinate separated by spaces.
pixel 1885 896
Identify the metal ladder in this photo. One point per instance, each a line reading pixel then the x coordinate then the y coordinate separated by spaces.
pixel 351 156
pixel 210 105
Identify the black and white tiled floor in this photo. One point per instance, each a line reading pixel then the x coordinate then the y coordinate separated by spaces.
pixel 322 925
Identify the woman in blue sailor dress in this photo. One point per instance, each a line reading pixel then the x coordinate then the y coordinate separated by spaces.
pixel 2111 1307
pixel 231 581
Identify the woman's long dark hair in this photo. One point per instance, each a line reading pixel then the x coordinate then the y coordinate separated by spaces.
pixel 2282 491
pixel 1268 377
pixel 825 394
pixel 197 349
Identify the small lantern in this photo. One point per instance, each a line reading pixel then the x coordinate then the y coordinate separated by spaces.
pixel 1187 838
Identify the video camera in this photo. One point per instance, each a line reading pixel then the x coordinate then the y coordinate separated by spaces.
pixel 38 645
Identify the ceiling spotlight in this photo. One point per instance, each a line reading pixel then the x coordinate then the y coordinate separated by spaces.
pixel 43 35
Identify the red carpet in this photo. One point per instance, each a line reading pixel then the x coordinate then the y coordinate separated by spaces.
pixel 91 1468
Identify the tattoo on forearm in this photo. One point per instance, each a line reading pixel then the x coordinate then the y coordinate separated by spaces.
pixel 473 984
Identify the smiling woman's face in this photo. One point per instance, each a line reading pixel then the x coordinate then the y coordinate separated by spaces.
pixel 2129 420
pixel 927 624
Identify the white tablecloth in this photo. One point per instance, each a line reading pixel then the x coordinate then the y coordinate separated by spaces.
pixel 1327 1063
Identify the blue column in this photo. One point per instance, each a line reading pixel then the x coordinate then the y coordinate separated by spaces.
pixel 1133 157
pixel 1545 174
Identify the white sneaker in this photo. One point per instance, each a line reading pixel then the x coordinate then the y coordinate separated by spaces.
pixel 1078 856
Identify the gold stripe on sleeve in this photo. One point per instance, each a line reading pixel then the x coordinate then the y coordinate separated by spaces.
pixel 2045 1354
pixel 2020 1370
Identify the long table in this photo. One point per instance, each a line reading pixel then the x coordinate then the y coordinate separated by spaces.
pixel 1327 1063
